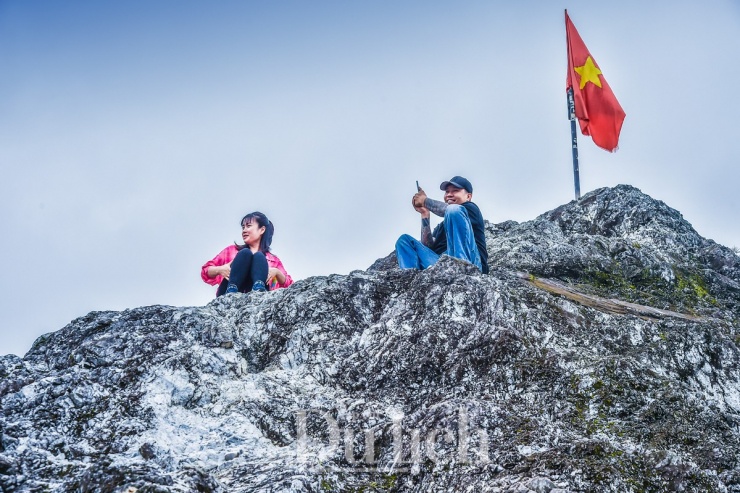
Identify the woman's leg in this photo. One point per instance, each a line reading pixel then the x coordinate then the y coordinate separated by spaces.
pixel 239 280
pixel 258 272
pixel 222 287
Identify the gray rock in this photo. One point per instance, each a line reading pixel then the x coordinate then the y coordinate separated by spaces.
pixel 390 380
pixel 622 243
pixel 540 485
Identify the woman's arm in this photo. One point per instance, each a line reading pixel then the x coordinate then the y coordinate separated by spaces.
pixel 219 267
pixel 278 271
pixel 219 270
pixel 277 274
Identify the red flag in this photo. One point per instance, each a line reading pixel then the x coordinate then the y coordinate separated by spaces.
pixel 597 109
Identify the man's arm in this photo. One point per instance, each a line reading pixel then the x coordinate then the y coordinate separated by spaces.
pixel 421 201
pixel 426 231
pixel 435 206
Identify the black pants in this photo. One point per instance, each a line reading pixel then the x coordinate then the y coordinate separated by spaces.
pixel 246 269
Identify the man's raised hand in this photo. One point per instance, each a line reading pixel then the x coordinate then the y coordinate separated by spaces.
pixel 418 203
pixel 419 198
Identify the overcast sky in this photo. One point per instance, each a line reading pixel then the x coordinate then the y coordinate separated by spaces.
pixel 135 135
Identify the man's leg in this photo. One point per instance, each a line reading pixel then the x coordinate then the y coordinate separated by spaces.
pixel 413 254
pixel 460 237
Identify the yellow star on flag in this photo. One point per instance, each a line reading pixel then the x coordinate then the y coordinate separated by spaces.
pixel 589 73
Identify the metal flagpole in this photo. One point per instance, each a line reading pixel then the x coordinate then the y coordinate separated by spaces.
pixel 574 141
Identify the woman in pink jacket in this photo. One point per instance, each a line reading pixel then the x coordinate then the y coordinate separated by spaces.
pixel 248 267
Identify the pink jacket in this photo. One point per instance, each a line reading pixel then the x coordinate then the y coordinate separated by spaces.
pixel 228 254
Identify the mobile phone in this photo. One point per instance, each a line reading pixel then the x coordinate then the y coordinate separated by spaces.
pixel 418 188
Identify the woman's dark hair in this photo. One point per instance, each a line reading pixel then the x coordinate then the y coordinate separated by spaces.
pixel 262 221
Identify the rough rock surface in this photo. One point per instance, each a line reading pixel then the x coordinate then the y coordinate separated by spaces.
pixel 621 242
pixel 390 380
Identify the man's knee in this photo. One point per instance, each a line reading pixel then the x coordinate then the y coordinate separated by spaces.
pixel 404 240
pixel 457 219
pixel 458 214
pixel 455 210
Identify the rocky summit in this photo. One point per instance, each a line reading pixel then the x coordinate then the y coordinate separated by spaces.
pixel 600 354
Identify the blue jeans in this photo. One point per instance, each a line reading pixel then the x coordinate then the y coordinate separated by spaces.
pixel 412 254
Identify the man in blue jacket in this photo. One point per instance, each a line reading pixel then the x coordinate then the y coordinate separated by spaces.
pixel 461 234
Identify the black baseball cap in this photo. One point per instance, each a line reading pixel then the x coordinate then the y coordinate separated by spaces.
pixel 459 182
